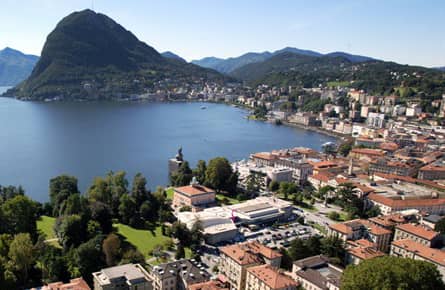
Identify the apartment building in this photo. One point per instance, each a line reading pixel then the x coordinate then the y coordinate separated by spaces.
pixel 418 233
pixel 316 273
pixel 362 229
pixel 123 277
pixel 178 275
pixel 413 250
pixel 266 277
pixel 195 196
pixel 235 259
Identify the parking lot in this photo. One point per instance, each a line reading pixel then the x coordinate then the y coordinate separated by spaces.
pixel 280 236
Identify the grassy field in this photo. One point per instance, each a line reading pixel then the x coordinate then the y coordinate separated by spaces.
pixel 170 192
pixel 46 226
pixel 231 200
pixel 338 84
pixel 143 240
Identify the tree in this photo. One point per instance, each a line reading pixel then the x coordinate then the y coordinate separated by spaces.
pixel 440 226
pixel 286 260
pixel 253 183
pixel 345 148
pixel 333 215
pixel 180 253
pixel 218 173
pixel 196 235
pixel 22 254
pixel 200 171
pixel 60 188
pixel 333 247
pixel 20 215
pixel 180 231
pixel 287 188
pixel 133 256
pixel 101 213
pixel 51 263
pixel 274 185
pixel 70 230
pixel 111 248
pixel 139 191
pixel 392 273
pixel 126 209
pixel 183 176
pixel 87 258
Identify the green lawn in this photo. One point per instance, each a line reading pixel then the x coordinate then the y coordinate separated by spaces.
pixel 46 225
pixel 231 200
pixel 170 192
pixel 143 240
pixel 338 84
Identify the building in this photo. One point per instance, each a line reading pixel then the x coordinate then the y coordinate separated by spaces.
pixel 362 229
pixel 432 171
pixel 418 233
pixel 306 119
pixel 216 222
pixel 413 110
pixel 316 273
pixel 365 153
pixel 209 285
pixel 375 120
pixel 389 221
pixel 74 284
pixel 360 250
pixel 410 249
pixel 195 196
pixel 235 259
pixel 123 277
pixel 431 220
pixel 261 210
pixel 178 275
pixel 394 204
pixel 408 167
pixel 266 277
pixel 280 174
pixel 264 158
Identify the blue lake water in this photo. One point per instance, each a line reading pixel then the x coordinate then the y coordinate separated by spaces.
pixel 41 140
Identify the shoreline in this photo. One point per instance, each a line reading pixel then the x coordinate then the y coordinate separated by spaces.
pixel 319 130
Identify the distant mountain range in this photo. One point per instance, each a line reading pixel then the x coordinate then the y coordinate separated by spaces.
pixel 15 66
pixel 229 65
pixel 440 68
pixel 90 56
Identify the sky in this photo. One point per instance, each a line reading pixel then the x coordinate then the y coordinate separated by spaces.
pixel 404 31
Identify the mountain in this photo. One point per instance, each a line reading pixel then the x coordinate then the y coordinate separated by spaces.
pixel 440 68
pixel 169 54
pixel 90 56
pixel 229 65
pixel 350 57
pixel 15 66
pixel 374 76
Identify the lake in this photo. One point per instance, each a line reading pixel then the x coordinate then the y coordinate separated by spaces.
pixel 41 140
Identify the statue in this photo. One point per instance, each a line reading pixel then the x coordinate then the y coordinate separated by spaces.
pixel 179 156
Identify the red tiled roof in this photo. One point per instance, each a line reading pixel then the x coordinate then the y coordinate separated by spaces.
pixel 249 253
pixel 419 231
pixel 366 151
pixel 194 189
pixel 433 255
pixel 405 203
pixel 272 277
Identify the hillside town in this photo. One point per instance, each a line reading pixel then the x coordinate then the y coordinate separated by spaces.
pixel 378 192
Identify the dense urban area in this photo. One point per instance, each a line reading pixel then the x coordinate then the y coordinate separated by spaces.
pixel 289 218
pixel 365 212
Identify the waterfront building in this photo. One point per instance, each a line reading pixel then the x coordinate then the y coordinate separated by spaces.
pixel 195 196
